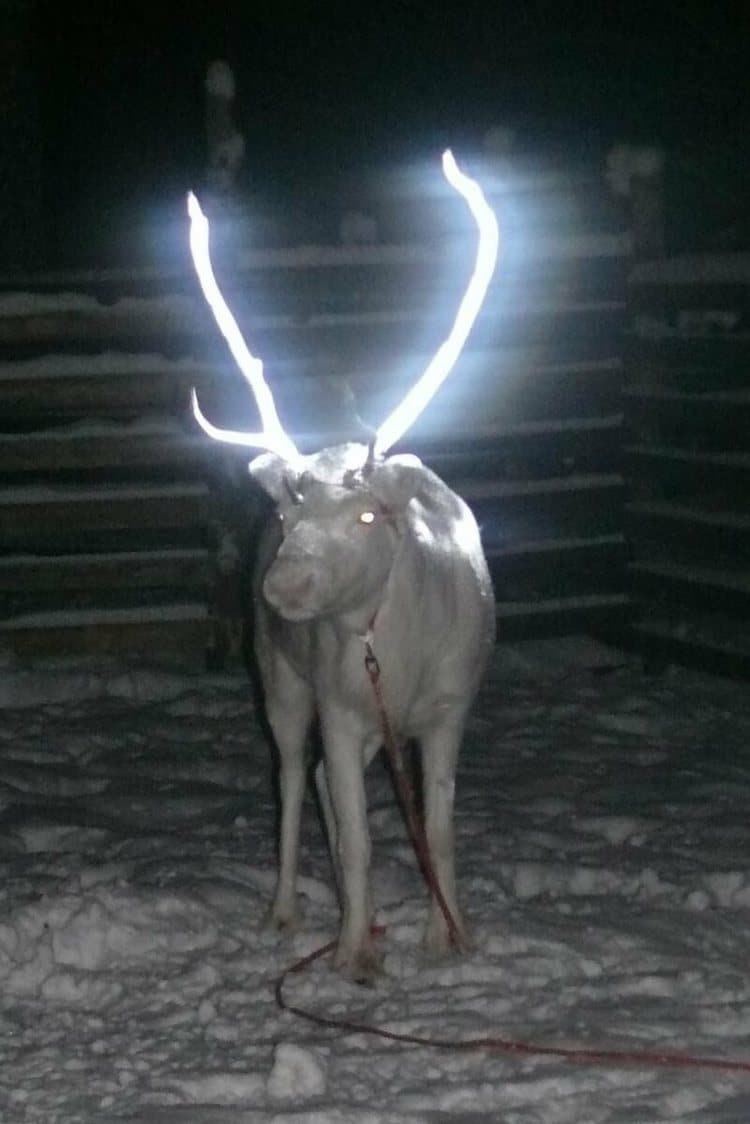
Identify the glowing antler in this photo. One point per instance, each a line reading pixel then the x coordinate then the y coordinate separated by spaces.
pixel 441 365
pixel 273 436
pixel 406 413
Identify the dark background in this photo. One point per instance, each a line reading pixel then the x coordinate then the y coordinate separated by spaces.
pixel 121 104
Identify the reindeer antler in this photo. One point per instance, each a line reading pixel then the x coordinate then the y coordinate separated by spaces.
pixel 406 413
pixel 273 437
pixel 441 365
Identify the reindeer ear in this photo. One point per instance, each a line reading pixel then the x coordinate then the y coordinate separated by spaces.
pixel 270 470
pixel 397 480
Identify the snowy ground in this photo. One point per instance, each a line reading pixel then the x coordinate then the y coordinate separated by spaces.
pixel 604 862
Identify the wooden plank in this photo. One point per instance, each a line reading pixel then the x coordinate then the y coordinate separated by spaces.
pixel 318 274
pixel 672 300
pixel 67 395
pixel 546 549
pixel 475 490
pixel 32 515
pixel 280 301
pixel 550 567
pixel 65 316
pixel 687 533
pixel 561 616
pixel 41 391
pixel 532 510
pixel 708 419
pixel 694 270
pixel 285 336
pixel 698 516
pixel 685 458
pixel 53 451
pixel 696 363
pixel 491 391
pixel 661 644
pixel 32 573
pixel 698 399
pixel 682 473
pixel 177 630
pixel 693 587
pixel 544 448
pixel 573 244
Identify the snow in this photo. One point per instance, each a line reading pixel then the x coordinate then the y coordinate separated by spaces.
pixel 65 561
pixel 555 604
pixel 45 304
pixel 86 428
pixel 603 863
pixel 105 363
pixel 83 618
pixel 578 482
pixel 51 493
pixel 26 304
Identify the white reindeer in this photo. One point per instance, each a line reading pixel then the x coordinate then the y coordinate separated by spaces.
pixel 367 550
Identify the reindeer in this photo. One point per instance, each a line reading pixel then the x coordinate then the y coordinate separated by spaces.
pixel 374 554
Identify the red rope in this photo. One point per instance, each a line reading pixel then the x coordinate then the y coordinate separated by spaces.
pixel 575 1055
pixel 649 1059
pixel 406 797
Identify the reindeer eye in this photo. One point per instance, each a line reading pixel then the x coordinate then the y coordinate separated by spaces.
pixel 367 517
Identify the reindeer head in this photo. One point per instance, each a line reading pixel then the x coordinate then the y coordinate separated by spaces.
pixel 272 436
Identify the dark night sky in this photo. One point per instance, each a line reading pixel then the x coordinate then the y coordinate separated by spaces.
pixel 123 104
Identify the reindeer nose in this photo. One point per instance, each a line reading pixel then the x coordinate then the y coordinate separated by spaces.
pixel 289 586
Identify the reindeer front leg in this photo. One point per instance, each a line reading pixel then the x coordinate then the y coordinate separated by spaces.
pixel 345 748
pixel 289 709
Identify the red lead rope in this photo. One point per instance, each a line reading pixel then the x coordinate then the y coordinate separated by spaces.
pixel 406 796
pixel 648 1059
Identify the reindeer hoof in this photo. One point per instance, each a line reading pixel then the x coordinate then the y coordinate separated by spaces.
pixel 361 965
pixel 283 919
pixel 437 938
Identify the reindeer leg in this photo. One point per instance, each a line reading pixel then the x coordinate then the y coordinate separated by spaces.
pixel 329 819
pixel 440 748
pixel 345 757
pixel 289 708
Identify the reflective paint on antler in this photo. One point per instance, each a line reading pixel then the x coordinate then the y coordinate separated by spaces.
pixel 407 412
pixel 273 436
pixel 403 417
pixel 231 436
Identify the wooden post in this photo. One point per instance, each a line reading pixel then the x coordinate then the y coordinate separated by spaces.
pixel 647 215
pixel 636 175
pixel 224 142
pixel 225 151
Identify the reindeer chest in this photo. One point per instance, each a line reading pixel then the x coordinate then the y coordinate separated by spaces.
pixel 342 672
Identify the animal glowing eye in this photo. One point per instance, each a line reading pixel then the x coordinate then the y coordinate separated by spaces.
pixel 367 517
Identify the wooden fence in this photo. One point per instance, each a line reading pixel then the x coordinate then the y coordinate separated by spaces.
pixel 119 520
pixel 687 452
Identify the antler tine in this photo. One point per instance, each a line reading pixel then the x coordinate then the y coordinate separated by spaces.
pixel 440 366
pixel 273 436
